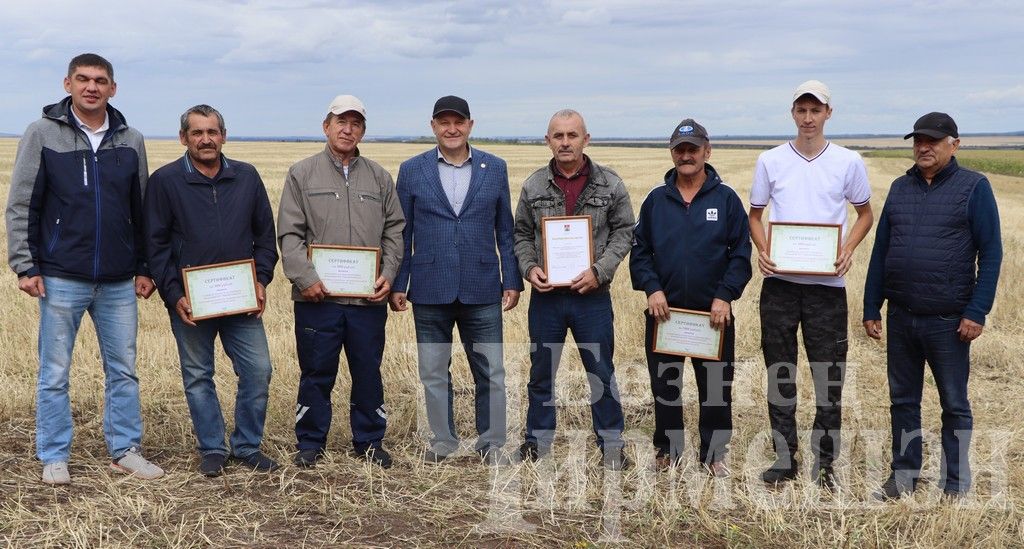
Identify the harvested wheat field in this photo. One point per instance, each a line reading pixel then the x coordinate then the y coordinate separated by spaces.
pixel 565 501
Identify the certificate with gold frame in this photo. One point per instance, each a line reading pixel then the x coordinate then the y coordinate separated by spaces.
pixel 804 248
pixel 688 333
pixel 221 289
pixel 346 271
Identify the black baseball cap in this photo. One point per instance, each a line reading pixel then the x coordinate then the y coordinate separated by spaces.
pixel 451 103
pixel 688 131
pixel 935 125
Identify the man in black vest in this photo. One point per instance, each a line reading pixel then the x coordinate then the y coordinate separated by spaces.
pixel 936 260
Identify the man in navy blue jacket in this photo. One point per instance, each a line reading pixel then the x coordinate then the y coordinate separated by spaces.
pixel 691 250
pixel 203 209
pixel 458 269
pixel 936 260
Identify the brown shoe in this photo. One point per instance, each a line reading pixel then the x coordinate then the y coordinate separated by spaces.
pixel 718 469
pixel 663 461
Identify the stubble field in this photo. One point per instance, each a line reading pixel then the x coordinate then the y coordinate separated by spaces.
pixel 568 500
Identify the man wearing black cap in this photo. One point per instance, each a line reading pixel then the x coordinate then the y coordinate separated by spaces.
pixel 459 269
pixel 691 250
pixel 936 260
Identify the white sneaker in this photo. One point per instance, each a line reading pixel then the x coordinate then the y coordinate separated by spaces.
pixel 56 473
pixel 134 464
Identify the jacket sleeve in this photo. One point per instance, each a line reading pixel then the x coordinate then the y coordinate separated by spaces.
pixel 525 235
pixel 159 244
pixel 984 216
pixel 391 247
pixel 620 235
pixel 264 247
pixel 738 272
pixel 874 294
pixel 403 188
pixel 291 235
pixel 641 259
pixel 28 182
pixel 504 232
pixel 138 215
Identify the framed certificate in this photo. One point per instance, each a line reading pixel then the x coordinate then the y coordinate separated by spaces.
pixel 346 271
pixel 221 289
pixel 568 247
pixel 688 333
pixel 804 248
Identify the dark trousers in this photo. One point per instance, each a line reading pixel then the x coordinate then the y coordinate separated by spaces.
pixel 480 331
pixel 820 312
pixel 714 392
pixel 914 340
pixel 321 331
pixel 590 318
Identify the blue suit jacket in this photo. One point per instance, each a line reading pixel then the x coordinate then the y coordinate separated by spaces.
pixel 466 257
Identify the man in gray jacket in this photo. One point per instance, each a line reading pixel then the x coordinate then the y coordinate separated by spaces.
pixel 337 197
pixel 573 185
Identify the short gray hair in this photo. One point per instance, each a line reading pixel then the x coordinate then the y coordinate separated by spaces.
pixel 569 113
pixel 202 110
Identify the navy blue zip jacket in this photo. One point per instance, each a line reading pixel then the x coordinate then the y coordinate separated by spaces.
pixel 693 253
pixel 73 212
pixel 193 220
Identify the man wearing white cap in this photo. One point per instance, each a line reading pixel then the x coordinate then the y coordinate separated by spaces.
pixel 807 180
pixel 337 197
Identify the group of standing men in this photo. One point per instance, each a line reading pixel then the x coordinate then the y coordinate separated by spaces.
pixel 86 233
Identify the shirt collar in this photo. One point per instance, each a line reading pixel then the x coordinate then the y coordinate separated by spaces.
pixel 441 158
pixel 103 127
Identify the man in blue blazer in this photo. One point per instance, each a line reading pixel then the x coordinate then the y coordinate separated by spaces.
pixel 458 269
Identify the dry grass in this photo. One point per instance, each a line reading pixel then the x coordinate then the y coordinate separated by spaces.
pixel 565 501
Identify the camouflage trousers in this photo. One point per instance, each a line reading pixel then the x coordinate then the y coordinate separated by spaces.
pixel 820 312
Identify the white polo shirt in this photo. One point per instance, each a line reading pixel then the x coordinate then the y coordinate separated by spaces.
pixel 810 190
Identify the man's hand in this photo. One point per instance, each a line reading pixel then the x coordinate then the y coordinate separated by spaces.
pixel 538 280
pixel 584 282
pixel 844 262
pixel 721 314
pixel 261 300
pixel 765 264
pixel 32 285
pixel 383 288
pixel 184 311
pixel 144 286
pixel 969 330
pixel 509 300
pixel 398 302
pixel 873 328
pixel 657 306
pixel 315 293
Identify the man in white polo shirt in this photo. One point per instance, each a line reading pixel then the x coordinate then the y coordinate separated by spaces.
pixel 807 180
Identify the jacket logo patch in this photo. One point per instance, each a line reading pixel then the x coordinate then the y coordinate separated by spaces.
pixel 711 214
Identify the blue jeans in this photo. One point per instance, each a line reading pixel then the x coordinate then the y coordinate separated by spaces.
pixel 480 331
pixel 245 343
pixel 111 306
pixel 914 340
pixel 590 318
pixel 321 331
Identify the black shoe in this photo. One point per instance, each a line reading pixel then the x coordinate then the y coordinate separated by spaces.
pixel 377 456
pixel 529 451
pixel 614 459
pixel 826 479
pixel 952 495
pixel 308 457
pixel 212 465
pixel 432 457
pixel 494 457
pixel 892 489
pixel 258 461
pixel 780 471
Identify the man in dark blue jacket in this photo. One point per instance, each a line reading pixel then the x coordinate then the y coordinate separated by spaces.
pixel 691 250
pixel 204 209
pixel 74 238
pixel 936 260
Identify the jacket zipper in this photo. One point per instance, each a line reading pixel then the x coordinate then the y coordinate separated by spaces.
pixel 56 234
pixel 96 193
pixel 348 203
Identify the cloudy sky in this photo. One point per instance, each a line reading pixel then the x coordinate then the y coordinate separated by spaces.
pixel 634 68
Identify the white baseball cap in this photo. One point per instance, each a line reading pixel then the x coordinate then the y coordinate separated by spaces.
pixel 345 103
pixel 816 88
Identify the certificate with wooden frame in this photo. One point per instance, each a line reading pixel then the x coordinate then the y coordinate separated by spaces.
pixel 346 271
pixel 804 248
pixel 221 289
pixel 568 247
pixel 688 333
